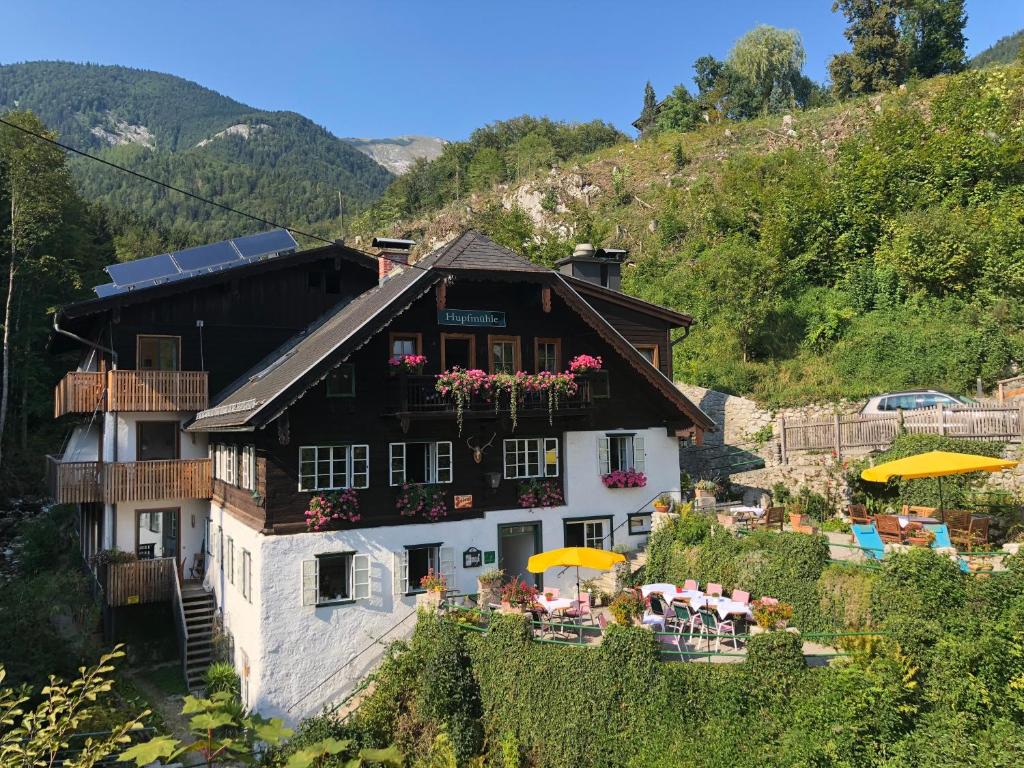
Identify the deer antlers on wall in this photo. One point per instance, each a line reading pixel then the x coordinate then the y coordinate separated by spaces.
pixel 478 450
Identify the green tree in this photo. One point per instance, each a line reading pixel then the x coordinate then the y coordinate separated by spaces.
pixel 679 112
pixel 37 185
pixel 934 30
pixel 649 113
pixel 532 152
pixel 880 55
pixel 771 60
pixel 486 169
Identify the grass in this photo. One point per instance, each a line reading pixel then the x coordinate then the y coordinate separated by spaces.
pixel 167 678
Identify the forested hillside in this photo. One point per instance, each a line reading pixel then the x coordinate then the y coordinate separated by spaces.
pixel 838 251
pixel 280 165
pixel 1005 51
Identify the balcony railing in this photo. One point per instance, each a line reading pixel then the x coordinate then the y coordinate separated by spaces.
pixel 412 394
pixel 85 481
pixel 140 582
pixel 127 390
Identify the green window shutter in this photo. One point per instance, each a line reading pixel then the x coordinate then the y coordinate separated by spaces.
pixel 310 579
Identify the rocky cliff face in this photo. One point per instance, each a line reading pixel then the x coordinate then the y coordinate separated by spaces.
pixel 399 153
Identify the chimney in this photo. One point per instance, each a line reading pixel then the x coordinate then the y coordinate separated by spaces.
pixel 394 254
pixel 600 266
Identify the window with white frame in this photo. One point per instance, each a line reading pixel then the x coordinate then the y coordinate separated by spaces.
pixel 415 562
pixel 620 452
pixel 225 462
pixel 588 533
pixel 336 577
pixel 420 463
pixel 247 575
pixel 329 467
pixel 229 559
pixel 531 457
pixel 247 467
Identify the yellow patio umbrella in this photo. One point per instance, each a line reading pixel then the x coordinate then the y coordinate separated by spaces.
pixel 578 557
pixel 937 464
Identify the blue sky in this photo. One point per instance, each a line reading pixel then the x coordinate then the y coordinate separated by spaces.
pixel 440 68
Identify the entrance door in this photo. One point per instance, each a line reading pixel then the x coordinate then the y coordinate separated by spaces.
pixel 458 349
pixel 157 534
pixel 516 544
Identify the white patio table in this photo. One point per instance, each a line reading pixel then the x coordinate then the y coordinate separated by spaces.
pixel 665 589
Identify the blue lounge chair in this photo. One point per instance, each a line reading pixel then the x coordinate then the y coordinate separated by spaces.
pixel 942 541
pixel 869 541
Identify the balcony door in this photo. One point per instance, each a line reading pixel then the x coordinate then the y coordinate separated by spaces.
pixel 458 349
pixel 158 353
pixel 157 441
pixel 157 534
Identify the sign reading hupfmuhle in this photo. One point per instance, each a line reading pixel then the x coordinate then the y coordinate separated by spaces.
pixel 480 318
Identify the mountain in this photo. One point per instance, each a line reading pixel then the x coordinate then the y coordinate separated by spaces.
pixel 399 153
pixel 1004 51
pixel 278 165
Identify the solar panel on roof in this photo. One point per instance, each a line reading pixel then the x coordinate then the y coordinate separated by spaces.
pixel 205 256
pixel 142 270
pixel 180 265
pixel 275 241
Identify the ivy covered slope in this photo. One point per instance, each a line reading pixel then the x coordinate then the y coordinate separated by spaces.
pixel 279 164
pixel 839 251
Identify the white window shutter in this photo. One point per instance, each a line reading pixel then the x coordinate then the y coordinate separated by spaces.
pixel 396 466
pixel 310 579
pixel 401 573
pixel 639 456
pixel 446 565
pixel 443 462
pixel 360 466
pixel 550 469
pixel 360 576
pixel 603 462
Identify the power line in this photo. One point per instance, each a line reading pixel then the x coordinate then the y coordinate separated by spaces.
pixel 187 193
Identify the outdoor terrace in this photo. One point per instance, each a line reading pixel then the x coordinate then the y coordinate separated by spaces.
pixel 88 481
pixel 127 390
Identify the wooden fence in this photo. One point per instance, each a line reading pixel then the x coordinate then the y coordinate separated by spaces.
pixel 78 392
pixel 153 480
pixel 142 581
pixel 972 422
pixel 1008 389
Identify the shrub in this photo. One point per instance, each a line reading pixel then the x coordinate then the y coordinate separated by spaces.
pixel 221 676
pixel 625 608
pixel 845 596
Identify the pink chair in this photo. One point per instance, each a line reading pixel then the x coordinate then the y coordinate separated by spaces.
pixel 739 596
pixel 691 584
pixel 580 609
pixel 602 622
pixel 714 589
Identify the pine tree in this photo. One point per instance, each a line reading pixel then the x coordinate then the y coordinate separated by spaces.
pixel 649 114
pixel 879 57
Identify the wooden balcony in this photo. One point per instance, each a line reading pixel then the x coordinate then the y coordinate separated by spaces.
pixel 139 582
pixel 127 390
pixel 416 396
pixel 84 481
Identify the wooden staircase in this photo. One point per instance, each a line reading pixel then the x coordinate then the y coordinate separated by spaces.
pixel 198 607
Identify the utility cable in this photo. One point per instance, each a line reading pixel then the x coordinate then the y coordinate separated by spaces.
pixel 187 193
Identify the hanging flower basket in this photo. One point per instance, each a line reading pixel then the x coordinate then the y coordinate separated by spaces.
pixel 585 364
pixel 427 501
pixel 540 493
pixel 329 509
pixel 407 364
pixel 628 478
pixel 462 385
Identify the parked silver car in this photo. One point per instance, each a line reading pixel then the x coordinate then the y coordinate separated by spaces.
pixel 910 400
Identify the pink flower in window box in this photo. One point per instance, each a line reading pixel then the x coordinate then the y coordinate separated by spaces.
pixel 585 364
pixel 624 478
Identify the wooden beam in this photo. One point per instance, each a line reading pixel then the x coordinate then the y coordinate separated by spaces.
pixel 441 292
pixel 545 298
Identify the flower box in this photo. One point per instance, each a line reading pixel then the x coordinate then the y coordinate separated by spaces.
pixel 628 478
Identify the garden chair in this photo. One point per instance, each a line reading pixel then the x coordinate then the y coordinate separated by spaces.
pixel 712 625
pixel 739 596
pixel 869 541
pixel 655 617
pixel 889 530
pixel 714 589
pixel 681 623
pixel 691 584
pixel 858 514
pixel 580 609
pixel 602 622
pixel 920 511
pixel 774 517
pixel 198 569
pixel 959 522
pixel 977 533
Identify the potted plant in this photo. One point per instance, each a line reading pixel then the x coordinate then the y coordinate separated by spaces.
pixel 626 608
pixel 328 509
pixel 426 500
pixel 540 493
pixel 919 536
pixel 663 504
pixel 624 478
pixel 434 585
pixel 488 586
pixel 406 364
pixel 705 489
pixel 582 364
pixel 517 593
pixel 771 615
pixel 797 517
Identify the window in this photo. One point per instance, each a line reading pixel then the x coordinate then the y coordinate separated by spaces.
pixel 220 547
pixel 326 467
pixel 458 349
pixel 207 533
pixel 639 523
pixel 246 575
pixel 420 463
pixel 229 561
pixel 247 468
pixel 620 452
pixel 335 578
pixel 531 457
pixel 416 561
pixel 156 533
pixel 341 382
pixel 225 462
pixel 405 344
pixel 548 355
pixel 156 440
pixel 503 354
pixel 158 353
pixel 588 533
pixel 650 353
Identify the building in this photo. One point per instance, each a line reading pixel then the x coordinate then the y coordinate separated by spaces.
pixel 306 352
